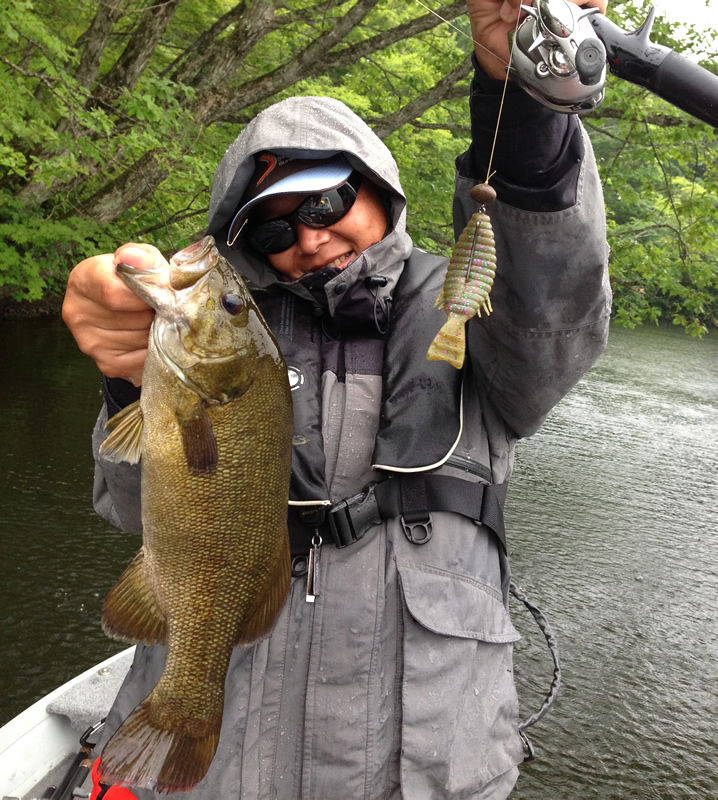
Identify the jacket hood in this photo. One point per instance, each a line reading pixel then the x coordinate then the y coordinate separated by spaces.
pixel 313 128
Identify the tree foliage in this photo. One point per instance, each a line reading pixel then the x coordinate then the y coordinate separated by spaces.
pixel 658 169
pixel 114 115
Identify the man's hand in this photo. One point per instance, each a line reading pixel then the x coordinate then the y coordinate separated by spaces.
pixel 108 320
pixel 491 23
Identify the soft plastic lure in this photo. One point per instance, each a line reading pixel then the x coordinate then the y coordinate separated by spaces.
pixel 469 278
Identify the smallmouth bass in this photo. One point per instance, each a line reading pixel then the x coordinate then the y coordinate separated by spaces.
pixel 213 429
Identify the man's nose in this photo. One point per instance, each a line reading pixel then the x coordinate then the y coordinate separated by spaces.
pixel 309 240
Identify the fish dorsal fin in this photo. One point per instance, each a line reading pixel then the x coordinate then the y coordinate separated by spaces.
pixel 130 611
pixel 198 438
pixel 260 619
pixel 125 440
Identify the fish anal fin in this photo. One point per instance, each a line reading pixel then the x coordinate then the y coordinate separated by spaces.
pixel 450 342
pixel 125 440
pixel 130 611
pixel 260 620
pixel 145 755
pixel 198 438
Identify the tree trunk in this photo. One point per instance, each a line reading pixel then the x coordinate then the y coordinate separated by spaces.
pixel 94 40
pixel 221 66
pixel 188 64
pixel 131 64
pixel 129 188
pixel 310 62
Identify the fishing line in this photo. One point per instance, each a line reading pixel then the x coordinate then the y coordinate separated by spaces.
pixel 489 173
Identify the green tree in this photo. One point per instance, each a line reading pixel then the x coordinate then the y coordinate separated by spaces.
pixel 115 115
pixel 658 168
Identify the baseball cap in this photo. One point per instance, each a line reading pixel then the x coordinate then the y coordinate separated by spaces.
pixel 278 175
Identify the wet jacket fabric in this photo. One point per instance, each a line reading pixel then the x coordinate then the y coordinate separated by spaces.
pixel 397 682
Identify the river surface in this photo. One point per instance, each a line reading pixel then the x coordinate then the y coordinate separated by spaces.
pixel 612 520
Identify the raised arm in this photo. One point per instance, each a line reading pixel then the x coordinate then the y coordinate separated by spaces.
pixel 551 297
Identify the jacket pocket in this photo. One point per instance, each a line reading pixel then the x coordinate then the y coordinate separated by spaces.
pixel 459 703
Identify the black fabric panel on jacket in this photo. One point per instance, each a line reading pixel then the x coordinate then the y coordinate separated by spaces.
pixel 119 394
pixel 538 151
pixel 298 334
pixel 420 418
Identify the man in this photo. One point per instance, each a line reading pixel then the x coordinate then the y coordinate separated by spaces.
pixel 397 681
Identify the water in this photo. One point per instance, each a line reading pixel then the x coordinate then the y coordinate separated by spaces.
pixel 57 557
pixel 613 520
pixel 612 530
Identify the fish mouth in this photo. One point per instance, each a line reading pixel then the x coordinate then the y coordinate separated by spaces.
pixel 186 268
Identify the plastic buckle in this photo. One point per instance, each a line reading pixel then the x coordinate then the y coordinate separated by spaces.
pixel 418 531
pixel 350 519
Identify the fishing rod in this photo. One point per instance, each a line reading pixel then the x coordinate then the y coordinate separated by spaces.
pixel 561 52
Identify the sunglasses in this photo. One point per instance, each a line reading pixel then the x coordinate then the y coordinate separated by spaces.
pixel 316 211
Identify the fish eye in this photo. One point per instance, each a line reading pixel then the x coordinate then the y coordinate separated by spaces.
pixel 232 303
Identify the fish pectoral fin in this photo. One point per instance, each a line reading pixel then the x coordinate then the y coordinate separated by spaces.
pixel 130 611
pixel 125 440
pixel 260 619
pixel 198 438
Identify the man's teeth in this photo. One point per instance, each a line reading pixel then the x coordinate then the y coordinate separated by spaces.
pixel 340 260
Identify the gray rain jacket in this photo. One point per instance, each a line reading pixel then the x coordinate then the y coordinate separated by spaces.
pixel 397 682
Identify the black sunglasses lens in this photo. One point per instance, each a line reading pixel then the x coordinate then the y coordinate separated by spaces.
pixel 274 236
pixel 327 209
pixel 317 211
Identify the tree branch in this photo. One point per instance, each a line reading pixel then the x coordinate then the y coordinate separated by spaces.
pixel 201 48
pixel 308 63
pixel 416 107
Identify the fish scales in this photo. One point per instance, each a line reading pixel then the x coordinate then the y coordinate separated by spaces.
pixel 469 279
pixel 214 569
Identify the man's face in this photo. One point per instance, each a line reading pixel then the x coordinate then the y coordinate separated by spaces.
pixel 315 248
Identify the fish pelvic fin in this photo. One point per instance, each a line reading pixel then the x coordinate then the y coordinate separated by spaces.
pixel 125 440
pixel 260 619
pixel 144 755
pixel 130 611
pixel 450 342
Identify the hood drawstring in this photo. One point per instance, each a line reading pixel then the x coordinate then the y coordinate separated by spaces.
pixel 374 282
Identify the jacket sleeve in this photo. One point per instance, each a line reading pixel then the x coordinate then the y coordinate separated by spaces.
pixel 551 295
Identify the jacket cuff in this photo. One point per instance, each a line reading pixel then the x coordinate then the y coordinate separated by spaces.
pixel 538 152
pixel 119 394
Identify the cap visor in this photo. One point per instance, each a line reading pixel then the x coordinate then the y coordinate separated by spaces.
pixel 321 178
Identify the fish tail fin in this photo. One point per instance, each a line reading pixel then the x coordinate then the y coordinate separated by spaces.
pixel 130 611
pixel 260 619
pixel 449 343
pixel 144 755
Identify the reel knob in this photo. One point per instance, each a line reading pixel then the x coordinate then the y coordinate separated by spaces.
pixel 590 61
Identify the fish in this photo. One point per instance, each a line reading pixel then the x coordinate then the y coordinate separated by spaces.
pixel 469 279
pixel 212 432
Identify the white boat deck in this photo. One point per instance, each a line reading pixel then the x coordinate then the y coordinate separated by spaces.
pixel 36 745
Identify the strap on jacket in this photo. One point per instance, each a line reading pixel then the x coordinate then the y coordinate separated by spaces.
pixel 411 497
